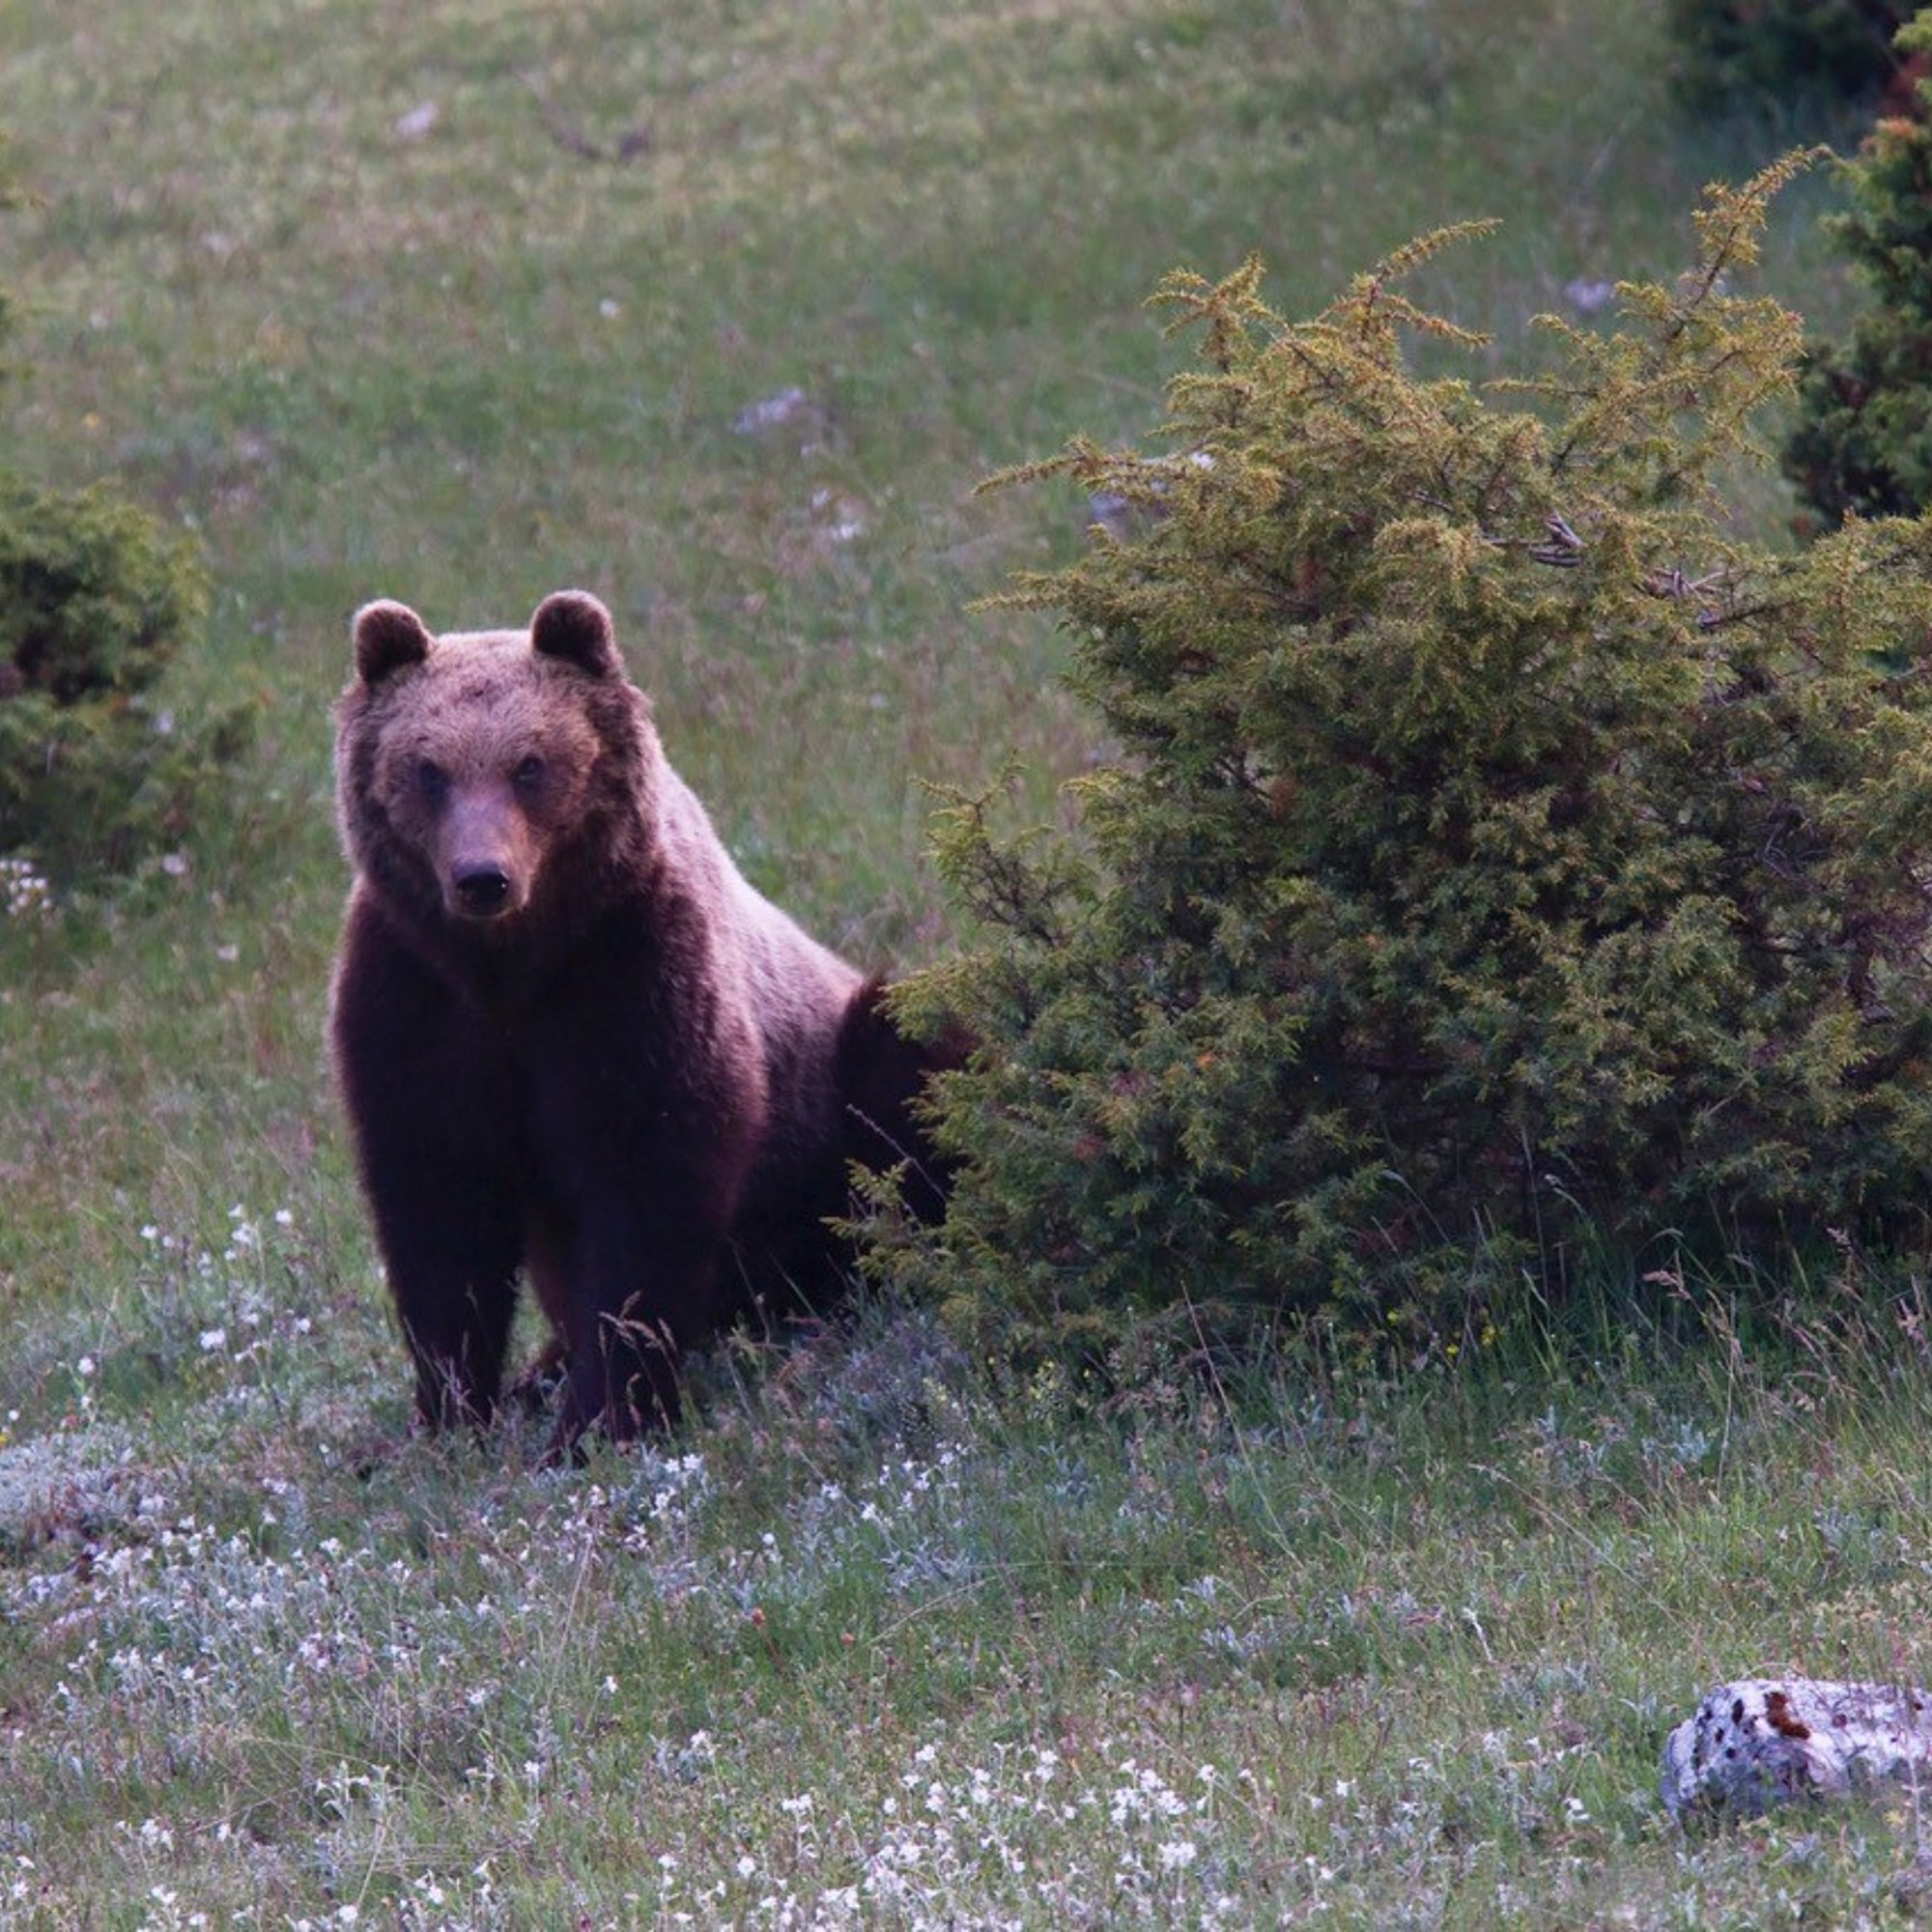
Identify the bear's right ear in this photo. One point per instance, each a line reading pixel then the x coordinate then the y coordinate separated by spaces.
pixel 389 638
pixel 573 625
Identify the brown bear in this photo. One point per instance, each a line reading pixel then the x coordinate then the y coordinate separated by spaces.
pixel 571 1039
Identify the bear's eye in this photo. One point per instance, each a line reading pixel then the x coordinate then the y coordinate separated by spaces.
pixel 530 773
pixel 432 780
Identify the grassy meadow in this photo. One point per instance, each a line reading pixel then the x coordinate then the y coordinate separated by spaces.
pixel 723 311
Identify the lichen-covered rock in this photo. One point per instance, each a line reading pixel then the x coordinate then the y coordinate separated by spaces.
pixel 1763 1740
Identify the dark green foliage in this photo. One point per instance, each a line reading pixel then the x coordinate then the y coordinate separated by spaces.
pixel 91 597
pixel 94 600
pixel 1772 49
pixel 1504 858
pixel 1863 439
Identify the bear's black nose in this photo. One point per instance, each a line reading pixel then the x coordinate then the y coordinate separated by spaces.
pixel 482 889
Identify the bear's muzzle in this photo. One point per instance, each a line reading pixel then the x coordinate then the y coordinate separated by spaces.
pixel 481 892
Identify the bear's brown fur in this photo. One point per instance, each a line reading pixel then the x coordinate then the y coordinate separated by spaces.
pixel 570 1038
pixel 882 1075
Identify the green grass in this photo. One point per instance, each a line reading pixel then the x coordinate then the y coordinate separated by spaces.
pixel 871 1647
pixel 879 1638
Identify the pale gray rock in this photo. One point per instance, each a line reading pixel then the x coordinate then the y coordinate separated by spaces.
pixel 1764 1741
pixel 785 410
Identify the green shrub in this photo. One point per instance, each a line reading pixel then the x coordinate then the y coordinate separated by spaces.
pixel 1862 442
pixel 94 601
pixel 1772 49
pixel 1504 857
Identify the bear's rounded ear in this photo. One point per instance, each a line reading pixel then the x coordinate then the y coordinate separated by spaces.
pixel 573 625
pixel 389 638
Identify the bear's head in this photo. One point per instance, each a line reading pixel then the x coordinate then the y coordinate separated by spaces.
pixel 483 771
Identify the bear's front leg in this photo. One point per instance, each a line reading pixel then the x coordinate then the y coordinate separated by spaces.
pixel 646 1192
pixel 451 1256
pixel 644 1290
pixel 432 1114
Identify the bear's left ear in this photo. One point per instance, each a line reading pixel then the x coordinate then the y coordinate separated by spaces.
pixel 573 625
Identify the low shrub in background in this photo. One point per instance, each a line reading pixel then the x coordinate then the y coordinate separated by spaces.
pixel 95 600
pixel 1772 49
pixel 1504 858
pixel 1862 442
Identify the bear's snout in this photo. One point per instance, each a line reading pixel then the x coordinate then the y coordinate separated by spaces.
pixel 487 860
pixel 481 892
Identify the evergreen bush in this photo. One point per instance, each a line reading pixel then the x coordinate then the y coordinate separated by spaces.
pixel 1770 49
pixel 1863 440
pixel 1503 856
pixel 95 600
